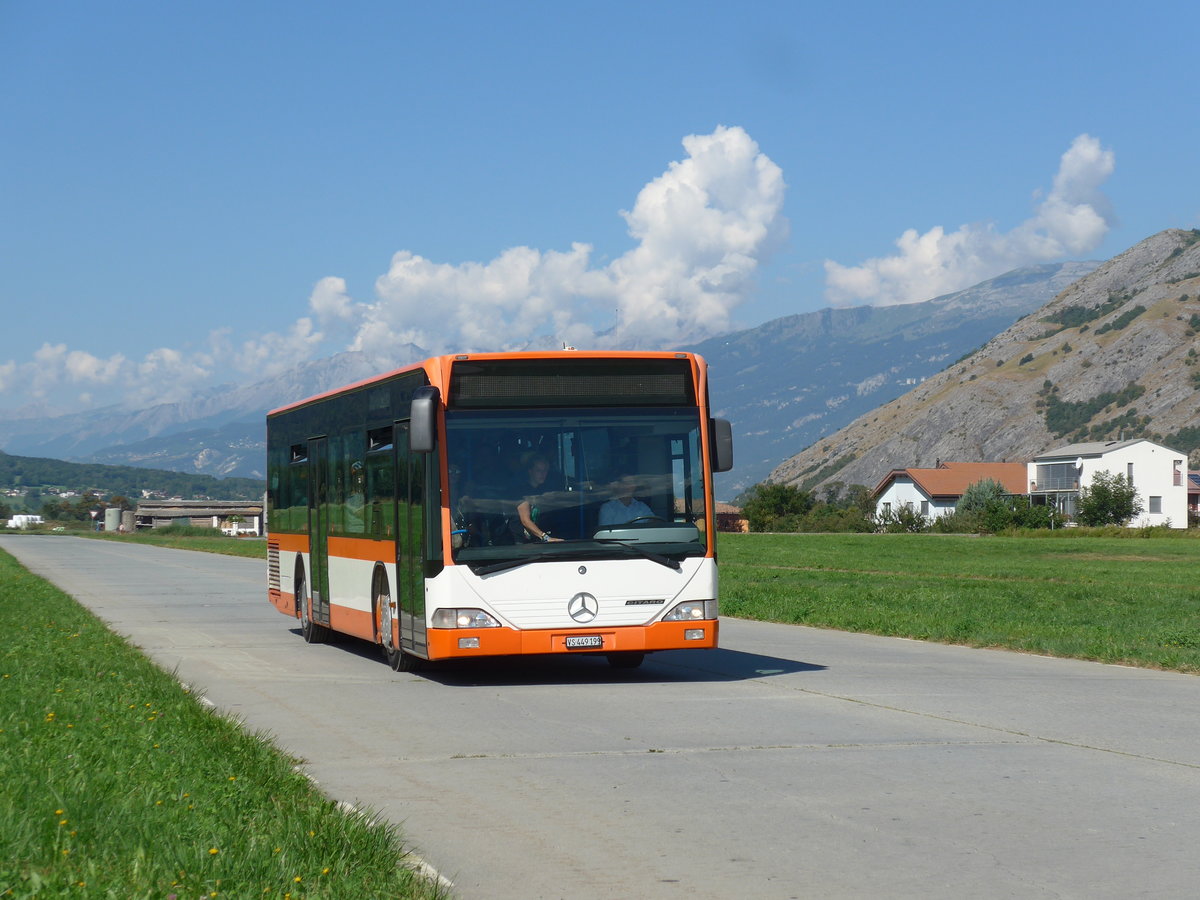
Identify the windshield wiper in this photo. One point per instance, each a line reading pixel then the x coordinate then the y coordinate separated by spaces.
pixel 506 564
pixel 655 557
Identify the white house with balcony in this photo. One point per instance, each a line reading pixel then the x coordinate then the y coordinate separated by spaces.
pixel 1158 473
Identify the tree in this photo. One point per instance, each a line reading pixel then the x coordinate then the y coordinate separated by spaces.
pixel 769 507
pixel 1109 500
pixel 979 495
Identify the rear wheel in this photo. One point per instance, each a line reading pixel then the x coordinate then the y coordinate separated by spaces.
pixel 627 659
pixel 312 632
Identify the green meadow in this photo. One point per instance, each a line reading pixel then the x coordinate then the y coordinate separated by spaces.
pixel 116 782
pixel 1129 599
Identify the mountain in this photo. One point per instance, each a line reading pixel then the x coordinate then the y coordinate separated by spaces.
pixel 1114 355
pixel 220 432
pixel 35 474
pixel 783 384
pixel 788 382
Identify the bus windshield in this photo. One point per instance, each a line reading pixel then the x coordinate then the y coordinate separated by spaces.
pixel 532 485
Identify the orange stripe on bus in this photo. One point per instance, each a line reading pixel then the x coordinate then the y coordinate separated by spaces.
pixel 443 642
pixel 354 622
pixel 292 543
pixel 362 548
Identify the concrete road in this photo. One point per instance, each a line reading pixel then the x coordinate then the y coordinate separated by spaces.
pixel 790 763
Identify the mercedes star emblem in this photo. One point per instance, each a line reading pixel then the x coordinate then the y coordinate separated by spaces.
pixel 583 608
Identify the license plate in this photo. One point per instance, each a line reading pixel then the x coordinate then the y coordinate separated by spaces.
pixel 584 641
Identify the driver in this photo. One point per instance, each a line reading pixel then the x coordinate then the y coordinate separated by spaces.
pixel 624 506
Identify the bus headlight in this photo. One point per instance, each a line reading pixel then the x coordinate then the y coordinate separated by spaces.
pixel 463 618
pixel 691 610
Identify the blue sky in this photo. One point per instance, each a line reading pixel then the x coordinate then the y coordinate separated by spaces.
pixel 196 193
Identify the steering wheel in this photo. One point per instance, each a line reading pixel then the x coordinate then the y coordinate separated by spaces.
pixel 646 519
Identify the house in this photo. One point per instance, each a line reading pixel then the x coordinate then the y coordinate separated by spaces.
pixel 1158 473
pixel 935 492
pixel 1193 494
pixel 729 517
pixel 230 516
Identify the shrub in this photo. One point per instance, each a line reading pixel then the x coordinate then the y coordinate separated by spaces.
pixel 1122 320
pixel 775 507
pixel 1108 500
pixel 978 495
pixel 905 520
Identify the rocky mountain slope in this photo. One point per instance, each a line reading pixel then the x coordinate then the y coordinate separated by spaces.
pixel 788 382
pixel 1113 355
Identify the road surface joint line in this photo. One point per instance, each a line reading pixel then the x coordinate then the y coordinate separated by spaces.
pixel 773 683
pixel 1011 731
pixel 684 751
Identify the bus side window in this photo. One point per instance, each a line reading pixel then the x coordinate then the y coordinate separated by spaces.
pixel 379 474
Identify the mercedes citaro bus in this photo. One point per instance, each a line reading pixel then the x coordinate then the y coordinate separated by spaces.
pixel 500 504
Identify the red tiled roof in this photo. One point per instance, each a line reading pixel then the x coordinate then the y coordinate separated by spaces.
pixel 951 479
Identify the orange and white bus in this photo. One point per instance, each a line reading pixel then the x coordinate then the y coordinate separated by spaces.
pixel 498 504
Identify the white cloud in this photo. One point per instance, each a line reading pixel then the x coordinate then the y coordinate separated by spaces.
pixel 166 375
pixel 330 301
pixel 82 366
pixel 1071 221
pixel 702 229
pixel 266 356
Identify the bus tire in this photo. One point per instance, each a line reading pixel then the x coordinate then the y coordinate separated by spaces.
pixel 408 663
pixel 310 630
pixel 626 659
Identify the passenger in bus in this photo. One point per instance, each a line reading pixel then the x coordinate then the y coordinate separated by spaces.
pixel 624 506
pixel 461 510
pixel 530 489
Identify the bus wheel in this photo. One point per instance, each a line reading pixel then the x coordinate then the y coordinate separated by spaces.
pixel 626 659
pixel 396 658
pixel 312 632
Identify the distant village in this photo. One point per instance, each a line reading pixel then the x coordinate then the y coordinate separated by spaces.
pixel 1167 493
pixel 154 509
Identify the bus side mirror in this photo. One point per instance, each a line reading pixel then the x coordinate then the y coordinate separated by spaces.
pixel 422 430
pixel 721 433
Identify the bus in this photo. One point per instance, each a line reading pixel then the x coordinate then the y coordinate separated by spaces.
pixel 500 504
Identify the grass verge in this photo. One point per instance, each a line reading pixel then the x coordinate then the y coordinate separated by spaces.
pixel 116 782
pixel 1113 599
pixel 182 537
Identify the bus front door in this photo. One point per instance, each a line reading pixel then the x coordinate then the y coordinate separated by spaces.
pixel 410 515
pixel 318 527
